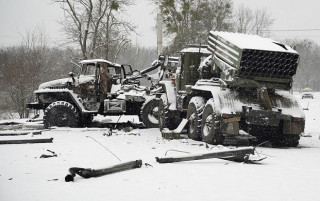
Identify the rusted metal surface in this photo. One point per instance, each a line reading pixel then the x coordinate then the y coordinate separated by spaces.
pixel 15 133
pixel 27 141
pixel 264 99
pixel 239 154
pixel 88 173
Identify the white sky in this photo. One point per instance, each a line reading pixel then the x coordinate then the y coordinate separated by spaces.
pixel 290 15
pixel 17 16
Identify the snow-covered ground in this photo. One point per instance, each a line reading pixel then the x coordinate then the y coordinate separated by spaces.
pixel 286 174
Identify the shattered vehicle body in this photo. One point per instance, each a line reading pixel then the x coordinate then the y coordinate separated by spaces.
pixel 102 87
pixel 242 83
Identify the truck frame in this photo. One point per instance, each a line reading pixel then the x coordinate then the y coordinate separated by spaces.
pixel 101 87
pixel 239 84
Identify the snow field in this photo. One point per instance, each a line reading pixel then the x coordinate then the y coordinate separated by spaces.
pixel 286 174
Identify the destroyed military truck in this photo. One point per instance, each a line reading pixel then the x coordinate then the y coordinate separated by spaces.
pixel 239 84
pixel 101 87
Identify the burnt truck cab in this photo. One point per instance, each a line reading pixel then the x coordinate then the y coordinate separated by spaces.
pixel 87 89
pixel 73 101
pixel 100 87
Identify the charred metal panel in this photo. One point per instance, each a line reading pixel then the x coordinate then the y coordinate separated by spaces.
pixel 231 128
pixel 104 82
pixel 182 104
pixel 135 98
pixel 263 117
pixel 88 94
pixel 50 97
pixel 264 99
pixel 86 88
pixel 36 106
pixel 91 104
pixel 293 127
pixel 114 106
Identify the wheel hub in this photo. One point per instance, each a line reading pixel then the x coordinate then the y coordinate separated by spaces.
pixel 154 114
pixel 192 120
pixel 207 127
pixel 61 119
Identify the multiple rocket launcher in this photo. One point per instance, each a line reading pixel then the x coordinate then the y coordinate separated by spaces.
pixel 253 57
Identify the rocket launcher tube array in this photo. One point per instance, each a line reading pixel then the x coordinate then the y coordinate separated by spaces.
pixel 254 56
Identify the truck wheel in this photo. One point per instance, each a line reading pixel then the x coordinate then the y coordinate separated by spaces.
pixel 61 114
pixel 165 119
pixel 150 113
pixel 194 113
pixel 86 119
pixel 287 141
pixel 292 140
pixel 210 124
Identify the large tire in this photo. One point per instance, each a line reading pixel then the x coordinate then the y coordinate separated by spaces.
pixel 286 141
pixel 264 133
pixel 194 113
pixel 166 118
pixel 291 140
pixel 275 136
pixel 86 120
pixel 211 125
pixel 149 113
pixel 61 114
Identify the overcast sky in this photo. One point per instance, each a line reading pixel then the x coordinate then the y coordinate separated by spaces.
pixel 17 16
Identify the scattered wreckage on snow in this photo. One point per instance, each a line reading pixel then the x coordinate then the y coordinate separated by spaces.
pixel 236 154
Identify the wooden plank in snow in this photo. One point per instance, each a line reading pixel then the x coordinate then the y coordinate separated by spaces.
pixel 27 141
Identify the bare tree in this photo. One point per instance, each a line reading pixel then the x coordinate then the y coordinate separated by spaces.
pixel 96 26
pixel 138 57
pixel 189 21
pixel 243 17
pixel 251 21
pixel 23 68
pixel 262 22
pixel 308 70
pixel 222 10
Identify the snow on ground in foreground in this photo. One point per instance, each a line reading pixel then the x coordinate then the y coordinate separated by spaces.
pixel 287 174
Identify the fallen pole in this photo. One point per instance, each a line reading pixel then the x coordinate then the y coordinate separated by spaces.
pixel 88 173
pixel 239 154
pixel 16 133
pixel 27 141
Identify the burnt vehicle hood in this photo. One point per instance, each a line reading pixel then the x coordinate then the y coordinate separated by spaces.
pixel 63 83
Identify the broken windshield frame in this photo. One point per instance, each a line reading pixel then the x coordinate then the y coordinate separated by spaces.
pixel 88 69
pixel 127 69
pixel 91 69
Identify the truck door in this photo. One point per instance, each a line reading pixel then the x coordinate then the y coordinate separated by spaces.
pixel 189 74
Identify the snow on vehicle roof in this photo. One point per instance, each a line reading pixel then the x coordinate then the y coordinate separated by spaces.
pixel 247 41
pixel 63 82
pixel 99 61
pixel 195 49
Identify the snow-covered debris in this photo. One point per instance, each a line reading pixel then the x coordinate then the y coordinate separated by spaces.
pixel 95 61
pixel 247 41
pixel 196 50
pixel 63 82
pixel 24 176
